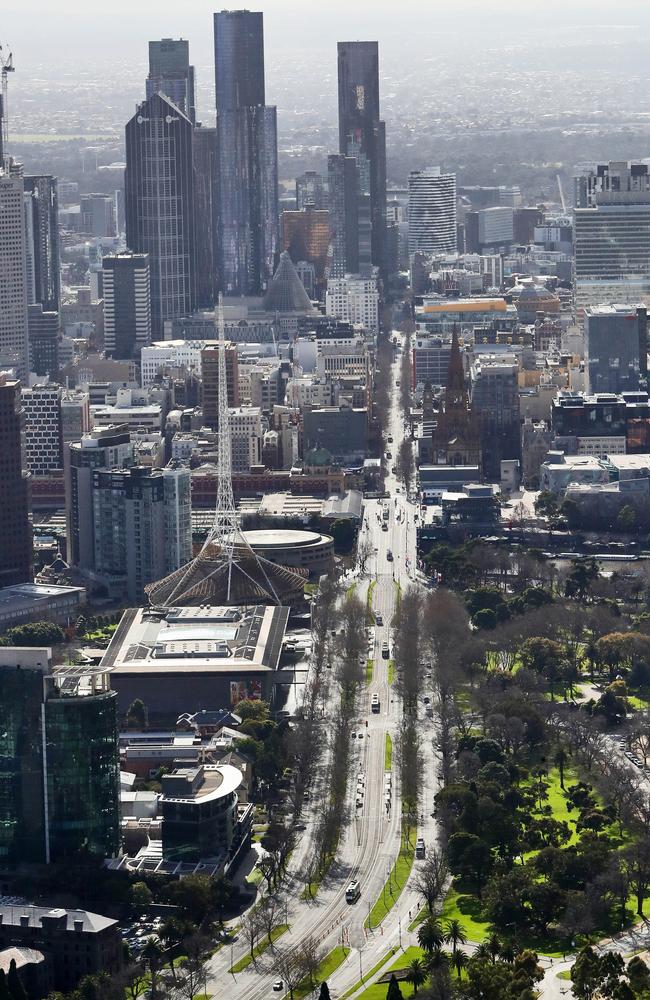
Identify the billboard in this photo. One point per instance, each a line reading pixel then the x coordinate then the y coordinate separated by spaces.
pixel 250 690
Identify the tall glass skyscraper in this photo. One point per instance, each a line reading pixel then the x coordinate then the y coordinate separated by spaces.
pixel 42 222
pixel 159 203
pixel 363 135
pixel 343 180
pixel 59 760
pixel 170 73
pixel 248 155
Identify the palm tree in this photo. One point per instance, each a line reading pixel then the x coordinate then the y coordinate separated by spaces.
pixel 459 961
pixel 416 974
pixel 560 759
pixel 483 951
pixel 455 935
pixel 494 946
pixel 437 959
pixel 152 955
pixel 430 934
pixel 508 952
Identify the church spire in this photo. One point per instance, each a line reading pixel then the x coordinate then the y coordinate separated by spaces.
pixel 455 394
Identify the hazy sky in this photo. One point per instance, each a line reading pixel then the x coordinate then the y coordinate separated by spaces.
pixel 64 31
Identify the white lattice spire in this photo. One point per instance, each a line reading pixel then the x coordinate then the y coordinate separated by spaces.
pixel 225 535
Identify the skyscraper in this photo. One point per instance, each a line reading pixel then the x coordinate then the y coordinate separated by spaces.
pixel 432 211
pixel 43 438
pixel 248 155
pixel 206 222
pixel 239 59
pixel 59 760
pixel 127 304
pixel 311 189
pixel 14 344
pixel 363 135
pixel 616 348
pixel 107 448
pixel 343 180
pixel 170 74
pixel 42 220
pixel 15 529
pixel 306 236
pixel 159 204
pixel 142 526
pixel 43 340
pixel 612 235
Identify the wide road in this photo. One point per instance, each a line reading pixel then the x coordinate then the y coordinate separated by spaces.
pixel 372 839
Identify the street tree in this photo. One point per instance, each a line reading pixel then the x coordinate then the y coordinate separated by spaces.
pixel 251 928
pixel 289 966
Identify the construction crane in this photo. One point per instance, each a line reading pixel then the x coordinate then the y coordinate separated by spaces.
pixel 6 67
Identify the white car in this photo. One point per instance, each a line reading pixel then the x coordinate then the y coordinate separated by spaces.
pixel 278 986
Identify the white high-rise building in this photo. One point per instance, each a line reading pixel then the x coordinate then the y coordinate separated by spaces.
pixel 354 299
pixel 246 437
pixel 14 342
pixel 127 304
pixel 43 433
pixel 432 211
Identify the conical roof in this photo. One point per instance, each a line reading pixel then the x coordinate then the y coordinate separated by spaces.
pixel 204 580
pixel 286 292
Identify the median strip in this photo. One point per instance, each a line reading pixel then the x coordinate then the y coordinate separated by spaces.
pixel 396 881
pixel 259 949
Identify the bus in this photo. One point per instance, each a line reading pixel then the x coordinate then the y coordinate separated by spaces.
pixel 353 891
pixel 375 704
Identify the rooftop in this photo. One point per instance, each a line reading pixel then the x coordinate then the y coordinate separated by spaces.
pixel 32 916
pixel 197 639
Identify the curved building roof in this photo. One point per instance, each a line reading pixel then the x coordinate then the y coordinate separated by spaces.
pixel 204 580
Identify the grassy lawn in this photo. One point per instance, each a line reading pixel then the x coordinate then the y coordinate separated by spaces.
pixel 369 670
pixel 260 948
pixel 370 618
pixel 634 701
pixel 388 753
pixel 391 671
pixel 326 968
pixel 393 887
pixel 375 969
pixel 378 990
pixel 255 877
pixel 466 908
pixel 350 592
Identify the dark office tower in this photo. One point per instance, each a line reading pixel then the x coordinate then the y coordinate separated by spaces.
pixel 248 155
pixel 170 74
pixel 42 237
pixel 239 59
pixel 343 182
pixel 206 215
pixel 159 204
pixel 127 304
pixel 311 189
pixel 363 135
pixel 43 330
pixel 59 760
pixel 15 530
